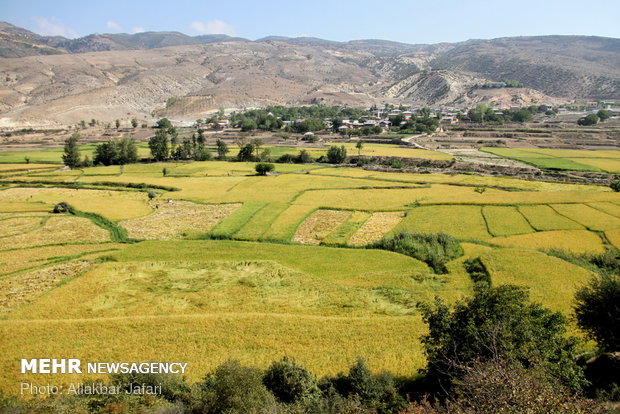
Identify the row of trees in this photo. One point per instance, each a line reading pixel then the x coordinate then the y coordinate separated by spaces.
pixel 593 119
pixel 114 152
pixel 165 145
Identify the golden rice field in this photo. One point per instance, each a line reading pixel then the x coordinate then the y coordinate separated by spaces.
pixel 291 277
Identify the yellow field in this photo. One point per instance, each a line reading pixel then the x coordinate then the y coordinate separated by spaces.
pixel 375 228
pixel 180 296
pixel 551 281
pixel 463 222
pixel 576 241
pixel 319 225
pixel 505 221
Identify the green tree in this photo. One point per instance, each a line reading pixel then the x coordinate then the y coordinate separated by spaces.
pixel 497 323
pixel 359 145
pixel 233 388
pixel 248 125
pixel 262 168
pixel 303 157
pixel 117 123
pixel 71 156
pixel 164 123
pixel 522 115
pixel 615 185
pixel 257 143
pixel 597 310
pixel 603 115
pixel 587 120
pixel 159 145
pixel 134 123
pixel 246 153
pixel 290 383
pixel 222 149
pixel 336 155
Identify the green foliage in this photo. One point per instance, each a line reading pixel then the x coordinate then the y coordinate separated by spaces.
pixel 159 145
pixel 290 383
pixel 164 123
pixel 116 152
pixel 263 168
pixel 496 323
pixel 376 391
pixel 522 115
pixel 173 387
pixel 603 115
pixel 233 388
pixel 336 155
pixel 222 149
pixel 309 125
pixel 433 249
pixel 117 123
pixel 134 123
pixel 303 157
pixel 246 153
pixel 597 310
pixel 71 156
pixel 615 185
pixel 588 120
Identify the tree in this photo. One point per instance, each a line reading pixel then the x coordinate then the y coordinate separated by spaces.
pixel 222 149
pixel 233 388
pixel 257 144
pixel 496 323
pixel 160 149
pixel 71 157
pixel 615 185
pixel 164 123
pixel 289 382
pixel 134 123
pixel 588 120
pixel 246 153
pixel 597 310
pixel 359 145
pixel 119 152
pixel 603 115
pixel 117 123
pixel 263 168
pixel 522 115
pixel 303 157
pixel 336 155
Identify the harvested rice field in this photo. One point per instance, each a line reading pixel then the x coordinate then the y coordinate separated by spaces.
pixel 319 225
pixel 174 219
pixel 377 226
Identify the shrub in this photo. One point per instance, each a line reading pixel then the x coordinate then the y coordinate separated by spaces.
pixel 286 159
pixel 597 309
pixel 615 185
pixel 588 120
pixel 496 323
pixel 233 388
pixel 377 391
pixel 433 249
pixel 336 155
pixel 290 382
pixel 303 157
pixel 263 168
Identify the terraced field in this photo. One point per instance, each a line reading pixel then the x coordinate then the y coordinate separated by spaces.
pixel 559 159
pixel 212 262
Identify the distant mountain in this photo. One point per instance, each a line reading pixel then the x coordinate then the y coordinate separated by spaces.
pixel 168 73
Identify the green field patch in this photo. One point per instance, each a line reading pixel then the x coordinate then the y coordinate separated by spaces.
pixel 592 218
pixel 551 281
pixel 505 221
pixel 285 225
pixel 543 217
pixel 462 222
pixel 260 223
pixel 236 220
pixel 558 164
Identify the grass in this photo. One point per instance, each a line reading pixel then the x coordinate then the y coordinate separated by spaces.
pixel 505 221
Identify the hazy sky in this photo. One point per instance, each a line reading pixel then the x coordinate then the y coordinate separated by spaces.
pixel 410 21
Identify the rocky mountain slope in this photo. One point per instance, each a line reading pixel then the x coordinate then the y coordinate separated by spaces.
pixel 153 74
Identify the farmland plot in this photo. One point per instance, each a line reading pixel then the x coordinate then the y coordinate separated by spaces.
pixel 377 226
pixel 319 225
